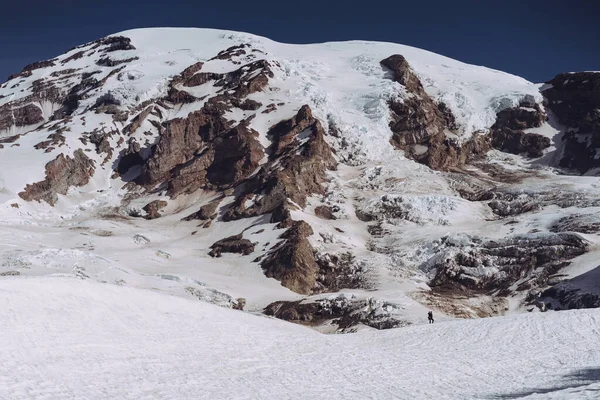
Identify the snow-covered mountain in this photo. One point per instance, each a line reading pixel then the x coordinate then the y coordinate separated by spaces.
pixel 342 185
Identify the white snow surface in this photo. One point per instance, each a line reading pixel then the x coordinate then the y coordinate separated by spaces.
pixel 71 339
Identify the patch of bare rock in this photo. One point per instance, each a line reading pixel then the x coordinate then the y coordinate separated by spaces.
pixel 575 100
pixel 424 129
pixel 61 174
pixel 342 312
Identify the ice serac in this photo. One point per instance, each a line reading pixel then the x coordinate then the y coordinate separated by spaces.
pixel 495 266
pixel 575 100
pixel 424 128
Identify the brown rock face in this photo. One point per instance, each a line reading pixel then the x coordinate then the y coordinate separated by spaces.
pixel 324 212
pixel 517 142
pixel 61 174
pixel 204 150
pixel 232 244
pixel 27 115
pixel 342 311
pixel 129 157
pixel 109 62
pixel 59 88
pixel 232 52
pixel 293 261
pixel 507 132
pixel 237 154
pixel 112 43
pixel 235 85
pixel 153 209
pixel 422 128
pixel 206 212
pixel 295 169
pixel 137 121
pixel 575 100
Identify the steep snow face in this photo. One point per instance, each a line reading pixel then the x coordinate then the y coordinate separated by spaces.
pixel 80 335
pixel 378 214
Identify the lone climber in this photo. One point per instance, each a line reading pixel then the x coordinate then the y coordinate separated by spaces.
pixel 430 317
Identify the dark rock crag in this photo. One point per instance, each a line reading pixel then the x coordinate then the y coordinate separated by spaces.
pixel 153 209
pixel 205 150
pixel 61 174
pixel 293 261
pixel 294 171
pixel 232 244
pixel 508 132
pixel 426 131
pixel 575 100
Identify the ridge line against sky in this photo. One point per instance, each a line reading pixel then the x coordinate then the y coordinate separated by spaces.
pixel 534 39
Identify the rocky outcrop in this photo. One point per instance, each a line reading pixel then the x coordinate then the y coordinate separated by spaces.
pixel 61 174
pixel 205 150
pixel 28 68
pixel 129 157
pixel 111 44
pixel 137 121
pixel 325 212
pixel 426 131
pixel 153 209
pixel 292 261
pixel 63 89
pixel 343 312
pixel 232 244
pixel 579 292
pixel 109 62
pixel 250 78
pixel 206 212
pixel 299 158
pixel 508 132
pixel 100 138
pixel 506 202
pixel 232 52
pixel 518 142
pixel 27 115
pixel 575 100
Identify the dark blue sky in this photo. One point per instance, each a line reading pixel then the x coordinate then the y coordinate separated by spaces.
pixel 535 39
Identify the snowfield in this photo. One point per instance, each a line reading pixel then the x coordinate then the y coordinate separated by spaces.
pixel 65 338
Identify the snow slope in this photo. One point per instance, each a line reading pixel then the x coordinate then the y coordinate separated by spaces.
pixel 72 339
